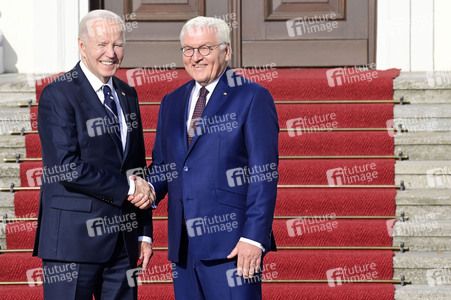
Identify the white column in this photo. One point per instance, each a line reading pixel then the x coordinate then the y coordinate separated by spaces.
pixel 422 35
pixel 393 34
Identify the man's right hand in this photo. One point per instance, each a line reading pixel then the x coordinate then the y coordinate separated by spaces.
pixel 144 196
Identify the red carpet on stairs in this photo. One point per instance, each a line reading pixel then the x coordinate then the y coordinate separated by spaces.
pixel 290 231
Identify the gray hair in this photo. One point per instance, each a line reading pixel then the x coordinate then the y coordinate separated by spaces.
pixel 99 14
pixel 219 26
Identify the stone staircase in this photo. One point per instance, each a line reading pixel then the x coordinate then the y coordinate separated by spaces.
pixel 14 89
pixel 426 200
pixel 427 178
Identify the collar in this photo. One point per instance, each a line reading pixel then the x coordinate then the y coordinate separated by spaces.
pixel 93 80
pixel 212 85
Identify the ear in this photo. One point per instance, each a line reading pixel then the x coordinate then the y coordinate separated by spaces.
pixel 228 52
pixel 81 47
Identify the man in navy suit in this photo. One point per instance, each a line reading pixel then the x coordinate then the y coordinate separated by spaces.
pixel 93 225
pixel 220 133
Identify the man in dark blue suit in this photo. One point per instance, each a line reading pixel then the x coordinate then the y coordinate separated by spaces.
pixel 220 133
pixel 93 225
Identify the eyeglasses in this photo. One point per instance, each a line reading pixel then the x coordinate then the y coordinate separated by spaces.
pixel 203 50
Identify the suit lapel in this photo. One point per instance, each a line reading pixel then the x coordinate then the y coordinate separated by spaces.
pixel 184 110
pixel 217 100
pixel 89 96
pixel 126 111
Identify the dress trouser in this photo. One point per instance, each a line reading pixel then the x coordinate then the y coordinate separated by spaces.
pixel 217 279
pixel 68 280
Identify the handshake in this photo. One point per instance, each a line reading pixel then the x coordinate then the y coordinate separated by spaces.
pixel 144 196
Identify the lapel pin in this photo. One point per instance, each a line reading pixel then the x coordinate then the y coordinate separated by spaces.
pixel 123 94
pixel 225 94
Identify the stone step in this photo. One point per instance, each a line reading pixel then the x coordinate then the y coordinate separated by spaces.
pixel 424 174
pixel 9 173
pixel 6 208
pixel 423 111
pixel 11 145
pixel 14 119
pixel 424 96
pixel 428 233
pixel 423 87
pixel 12 99
pixel 422 226
pixel 423 268
pixel 423 292
pixel 430 202
pixel 424 145
pixel 14 82
pixel 425 244
pixel 438 80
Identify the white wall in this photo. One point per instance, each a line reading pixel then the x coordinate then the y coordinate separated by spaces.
pixel 414 35
pixel 40 35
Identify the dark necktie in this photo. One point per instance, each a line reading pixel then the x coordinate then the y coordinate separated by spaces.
pixel 198 110
pixel 111 110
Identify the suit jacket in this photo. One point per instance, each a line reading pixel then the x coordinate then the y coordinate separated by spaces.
pixel 82 214
pixel 219 202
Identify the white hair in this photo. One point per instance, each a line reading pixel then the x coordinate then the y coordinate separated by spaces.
pixel 219 26
pixel 99 14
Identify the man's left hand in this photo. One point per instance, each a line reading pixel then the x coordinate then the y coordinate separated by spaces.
pixel 145 253
pixel 249 259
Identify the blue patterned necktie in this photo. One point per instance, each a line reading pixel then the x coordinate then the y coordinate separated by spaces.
pixel 111 110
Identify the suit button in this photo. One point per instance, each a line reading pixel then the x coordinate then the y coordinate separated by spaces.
pixel 185 168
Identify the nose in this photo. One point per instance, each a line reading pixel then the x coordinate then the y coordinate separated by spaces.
pixel 109 52
pixel 197 56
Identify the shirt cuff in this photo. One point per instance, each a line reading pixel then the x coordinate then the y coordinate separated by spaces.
pixel 131 190
pixel 145 239
pixel 257 244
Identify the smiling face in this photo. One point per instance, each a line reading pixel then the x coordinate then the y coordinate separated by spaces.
pixel 204 69
pixel 102 49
